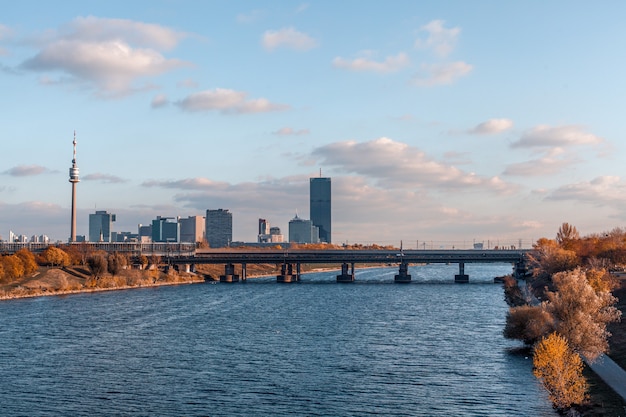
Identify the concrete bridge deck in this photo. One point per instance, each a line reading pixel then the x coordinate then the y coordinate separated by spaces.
pixel 292 259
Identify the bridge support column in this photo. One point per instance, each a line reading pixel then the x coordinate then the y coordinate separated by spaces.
pixel 229 274
pixel 244 272
pixel 461 278
pixel 347 273
pixel 403 274
pixel 287 274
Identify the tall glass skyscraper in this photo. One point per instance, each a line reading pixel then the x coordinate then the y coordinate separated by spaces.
pixel 100 226
pixel 319 206
pixel 219 228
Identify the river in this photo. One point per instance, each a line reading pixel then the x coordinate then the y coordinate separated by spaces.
pixel 315 348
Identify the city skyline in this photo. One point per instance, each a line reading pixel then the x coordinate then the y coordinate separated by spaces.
pixel 443 121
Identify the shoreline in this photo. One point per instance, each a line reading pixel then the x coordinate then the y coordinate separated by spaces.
pixel 97 289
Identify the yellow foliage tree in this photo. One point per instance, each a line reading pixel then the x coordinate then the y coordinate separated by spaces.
pixel 55 256
pixel 28 260
pixel 560 371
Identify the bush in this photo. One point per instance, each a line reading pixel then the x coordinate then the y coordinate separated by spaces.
pixel 581 314
pixel 528 323
pixel 560 371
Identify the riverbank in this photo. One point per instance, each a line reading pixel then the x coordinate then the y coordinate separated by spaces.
pixel 49 281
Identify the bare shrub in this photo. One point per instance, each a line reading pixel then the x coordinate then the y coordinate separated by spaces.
pixel 528 323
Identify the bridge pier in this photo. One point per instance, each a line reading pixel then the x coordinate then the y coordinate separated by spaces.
pixel 461 277
pixel 347 273
pixel 287 274
pixel 244 272
pixel 229 274
pixel 403 274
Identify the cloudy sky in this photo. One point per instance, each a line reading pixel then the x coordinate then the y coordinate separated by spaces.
pixel 439 122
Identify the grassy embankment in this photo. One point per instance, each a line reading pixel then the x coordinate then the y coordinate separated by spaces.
pixel 70 280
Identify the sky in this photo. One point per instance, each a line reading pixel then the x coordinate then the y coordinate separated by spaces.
pixel 440 123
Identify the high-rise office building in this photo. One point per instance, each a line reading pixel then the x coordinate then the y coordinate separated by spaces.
pixel 192 229
pixel 219 228
pixel 264 231
pixel 100 226
pixel 319 206
pixel 165 229
pixel 303 231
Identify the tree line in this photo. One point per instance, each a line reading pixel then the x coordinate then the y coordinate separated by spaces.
pixel 23 262
pixel 565 306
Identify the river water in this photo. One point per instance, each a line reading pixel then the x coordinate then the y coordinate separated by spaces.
pixel 316 348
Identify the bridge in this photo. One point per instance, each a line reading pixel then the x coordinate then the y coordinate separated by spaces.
pixel 290 261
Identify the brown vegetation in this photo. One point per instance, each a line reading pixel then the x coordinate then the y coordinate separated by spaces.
pixel 21 276
pixel 571 275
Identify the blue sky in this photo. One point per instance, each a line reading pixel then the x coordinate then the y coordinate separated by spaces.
pixel 440 122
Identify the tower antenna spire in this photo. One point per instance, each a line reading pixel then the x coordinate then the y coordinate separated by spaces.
pixel 74 179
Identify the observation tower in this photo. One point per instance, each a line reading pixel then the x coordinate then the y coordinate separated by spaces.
pixel 74 180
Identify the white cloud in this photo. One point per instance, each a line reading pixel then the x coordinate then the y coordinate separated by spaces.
pixel 26 170
pixel 492 126
pixel 390 64
pixel 158 101
pixel 439 39
pixel 547 165
pixel 105 178
pixel 188 184
pixel 604 190
pixel 289 131
pixel 228 102
pixel 562 136
pixel 288 38
pixel 95 29
pixel 108 54
pixel 398 165
pixel 441 74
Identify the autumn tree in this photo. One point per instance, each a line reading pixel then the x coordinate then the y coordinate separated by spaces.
pixel 566 235
pixel 12 267
pixel 528 323
pixel 143 261
pixel 513 294
pixel 560 371
pixel 97 264
pixel 549 259
pixel 115 263
pixel 54 256
pixel 28 260
pixel 581 314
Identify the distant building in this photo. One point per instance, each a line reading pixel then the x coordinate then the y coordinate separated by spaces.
pixel 165 229
pixel 100 225
pixel 303 231
pixel 219 228
pixel 276 236
pixel 124 237
pixel 192 229
pixel 40 239
pixel 264 231
pixel 320 206
pixel 144 232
